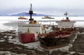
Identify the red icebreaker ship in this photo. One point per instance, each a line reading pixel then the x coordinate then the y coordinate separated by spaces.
pixel 28 31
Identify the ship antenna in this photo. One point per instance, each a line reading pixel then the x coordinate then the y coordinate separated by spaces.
pixel 30 7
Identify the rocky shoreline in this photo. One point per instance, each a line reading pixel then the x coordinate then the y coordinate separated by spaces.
pixel 17 48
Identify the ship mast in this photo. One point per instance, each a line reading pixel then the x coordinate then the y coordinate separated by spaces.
pixel 66 16
pixel 30 12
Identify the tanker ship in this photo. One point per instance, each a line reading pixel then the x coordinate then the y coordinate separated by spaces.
pixel 64 35
pixel 29 31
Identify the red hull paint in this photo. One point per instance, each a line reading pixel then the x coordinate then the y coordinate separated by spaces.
pixel 65 20
pixel 22 18
pixel 26 37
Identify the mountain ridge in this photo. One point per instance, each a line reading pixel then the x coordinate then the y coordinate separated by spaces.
pixel 27 14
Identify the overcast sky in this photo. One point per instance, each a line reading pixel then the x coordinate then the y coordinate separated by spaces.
pixel 51 7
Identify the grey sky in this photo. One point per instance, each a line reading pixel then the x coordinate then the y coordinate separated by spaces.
pixel 56 7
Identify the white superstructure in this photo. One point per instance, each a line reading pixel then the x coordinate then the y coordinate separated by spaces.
pixel 32 28
pixel 65 24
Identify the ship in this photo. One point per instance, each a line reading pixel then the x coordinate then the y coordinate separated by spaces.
pixel 47 17
pixel 28 31
pixel 22 17
pixel 64 34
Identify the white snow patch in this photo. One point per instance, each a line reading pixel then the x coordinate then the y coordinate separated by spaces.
pixel 2 40
pixel 72 52
pixel 10 37
pixel 5 36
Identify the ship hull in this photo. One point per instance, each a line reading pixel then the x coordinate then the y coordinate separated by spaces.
pixel 50 43
pixel 26 37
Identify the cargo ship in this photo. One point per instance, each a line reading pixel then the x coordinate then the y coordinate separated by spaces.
pixel 29 31
pixel 64 34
